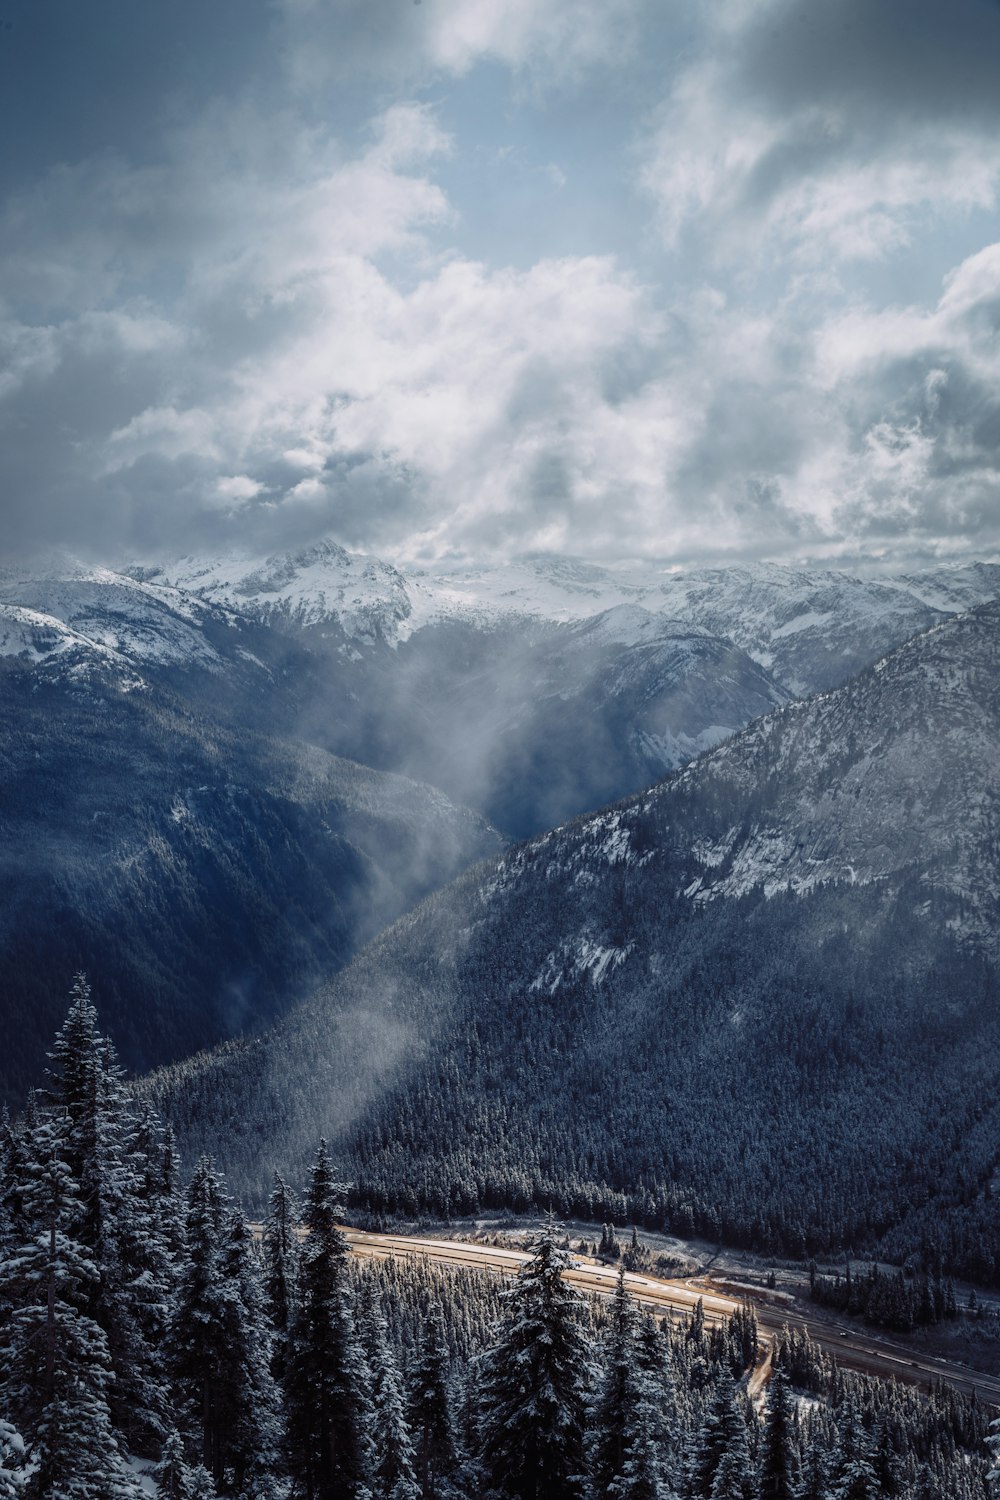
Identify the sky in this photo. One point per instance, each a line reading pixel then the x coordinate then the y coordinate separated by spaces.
pixel 455 281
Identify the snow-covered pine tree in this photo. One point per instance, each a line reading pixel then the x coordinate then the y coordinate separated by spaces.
pixel 723 1431
pixel 394 1473
pixel 432 1428
pixel 885 1460
pixel 814 1474
pixel 53 1356
pixel 652 1357
pixel 854 1476
pixel 198 1317
pixel 534 1384
pixel 779 1466
pixel 281 1255
pixel 247 1399
pixel 733 1478
pixel 326 1383
pixel 993 1444
pixel 171 1475
pixel 127 1296
pixel 12 1455
pixel 616 1391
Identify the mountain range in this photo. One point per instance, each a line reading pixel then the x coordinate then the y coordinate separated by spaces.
pixel 711 1004
pixel 758 1000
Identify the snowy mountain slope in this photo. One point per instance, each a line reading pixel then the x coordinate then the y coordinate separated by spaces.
pixel 894 776
pixel 760 1001
pixel 138 623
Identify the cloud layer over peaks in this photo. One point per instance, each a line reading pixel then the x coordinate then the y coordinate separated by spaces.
pixel 478 277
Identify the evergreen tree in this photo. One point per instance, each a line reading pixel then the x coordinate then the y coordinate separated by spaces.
pixel 172 1476
pixel 281 1252
pixel 723 1431
pixel 431 1424
pixel 778 1465
pixel 885 1461
pixel 814 1481
pixel 616 1392
pixel 12 1476
pixel 993 1444
pixel 329 1420
pixel 115 1227
pixel 853 1476
pixel 218 1349
pixel 394 1476
pixel 652 1358
pixel 53 1356
pixel 198 1319
pixel 246 1396
pixel 534 1384
pixel 733 1480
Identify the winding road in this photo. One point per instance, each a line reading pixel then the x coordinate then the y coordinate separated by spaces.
pixel 853 1348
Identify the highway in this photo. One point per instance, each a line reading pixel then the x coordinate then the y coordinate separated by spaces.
pixel 853 1348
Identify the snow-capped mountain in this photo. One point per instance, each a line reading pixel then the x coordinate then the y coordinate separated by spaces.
pixel 810 628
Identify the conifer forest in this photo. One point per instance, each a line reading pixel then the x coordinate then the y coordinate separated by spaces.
pixel 153 1341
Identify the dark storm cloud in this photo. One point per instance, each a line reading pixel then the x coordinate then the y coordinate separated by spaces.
pixel 877 61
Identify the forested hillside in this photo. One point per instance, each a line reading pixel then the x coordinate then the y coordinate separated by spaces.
pixel 152 1344
pixel 759 1002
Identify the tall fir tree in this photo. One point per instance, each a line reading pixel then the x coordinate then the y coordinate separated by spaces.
pixel 56 1369
pixel 12 1458
pixel 722 1431
pixel 248 1397
pixel 779 1466
pixel 172 1476
pixel 432 1427
pixel 394 1474
pixel 814 1474
pixel 281 1256
pixel 534 1384
pixel 853 1476
pixel 217 1346
pixel 326 1383
pixel 993 1445
pixel 627 1449
pixel 115 1227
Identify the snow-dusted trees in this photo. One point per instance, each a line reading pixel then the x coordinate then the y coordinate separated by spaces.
pixel 105 1146
pixel 217 1347
pixel 281 1254
pixel 56 1369
pixel 993 1444
pixel 326 1383
pixel 721 1446
pixel 627 1432
pixel 778 1460
pixel 534 1384
pixel 430 1416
